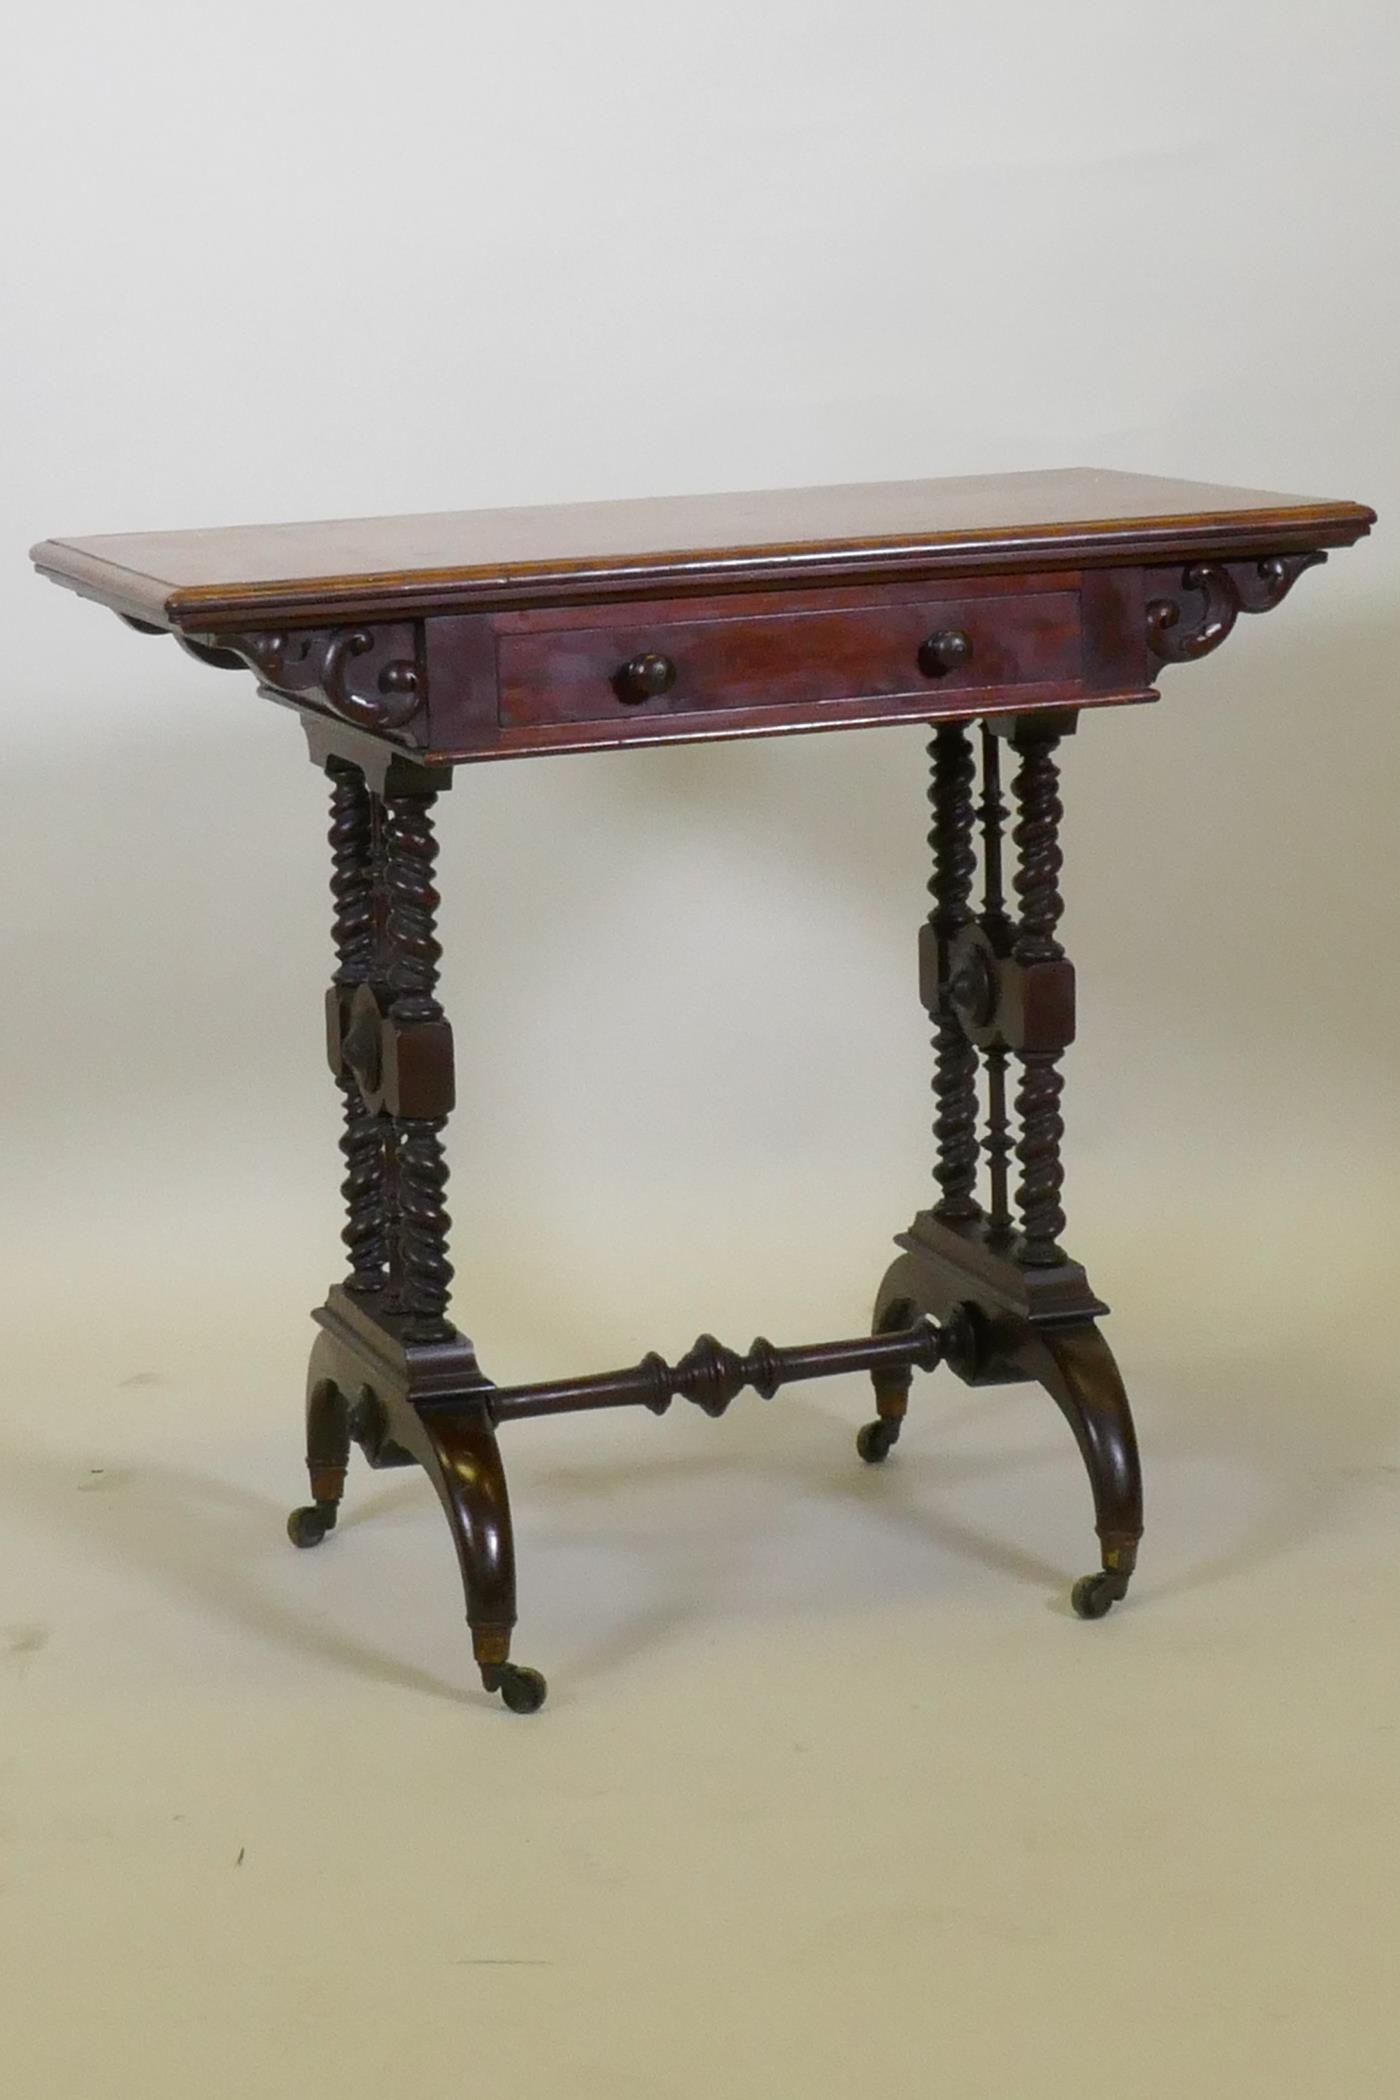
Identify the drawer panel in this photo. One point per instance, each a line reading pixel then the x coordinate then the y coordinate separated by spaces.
pixel 794 659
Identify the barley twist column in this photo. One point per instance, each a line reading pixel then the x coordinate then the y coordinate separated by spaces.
pixel 1037 837
pixel 352 845
pixel 955 1059
pixel 996 925
pixel 421 1270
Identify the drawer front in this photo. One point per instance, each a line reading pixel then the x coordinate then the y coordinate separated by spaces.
pixel 922 650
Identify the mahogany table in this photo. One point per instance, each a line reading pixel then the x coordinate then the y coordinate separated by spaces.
pixel 411 646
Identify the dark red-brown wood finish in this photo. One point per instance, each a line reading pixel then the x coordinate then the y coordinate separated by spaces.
pixel 412 645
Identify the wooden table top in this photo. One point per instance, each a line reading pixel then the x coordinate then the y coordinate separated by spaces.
pixel 461 561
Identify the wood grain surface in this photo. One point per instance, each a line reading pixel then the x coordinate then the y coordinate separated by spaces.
pixel 205 580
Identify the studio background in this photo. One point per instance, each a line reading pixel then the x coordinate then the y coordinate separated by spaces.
pixel 830 1789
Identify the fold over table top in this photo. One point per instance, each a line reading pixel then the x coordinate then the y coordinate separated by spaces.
pixel 199 582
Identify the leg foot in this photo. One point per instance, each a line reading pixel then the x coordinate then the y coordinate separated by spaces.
pixel 457 1446
pixel 876 1440
pixel 1077 1369
pixel 307 1527
pixel 522 1689
pixel 1095 1595
pixel 327 1454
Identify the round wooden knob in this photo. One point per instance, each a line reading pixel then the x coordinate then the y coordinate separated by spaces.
pixel 948 650
pixel 644 677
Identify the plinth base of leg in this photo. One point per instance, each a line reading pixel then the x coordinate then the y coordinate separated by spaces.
pixel 1007 1322
pixel 401 1399
pixel 308 1526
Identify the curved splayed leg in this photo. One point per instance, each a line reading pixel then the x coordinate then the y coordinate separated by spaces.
pixel 877 1439
pixel 327 1452
pixel 456 1445
pixel 1077 1369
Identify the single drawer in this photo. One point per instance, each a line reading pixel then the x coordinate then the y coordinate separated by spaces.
pixel 917 650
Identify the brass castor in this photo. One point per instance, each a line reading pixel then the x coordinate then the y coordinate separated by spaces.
pixel 523 1690
pixel 307 1527
pixel 1094 1595
pixel 876 1440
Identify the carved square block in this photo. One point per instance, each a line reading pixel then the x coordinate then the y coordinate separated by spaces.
pixel 338 998
pixel 1037 1005
pixel 932 967
pixel 418 1076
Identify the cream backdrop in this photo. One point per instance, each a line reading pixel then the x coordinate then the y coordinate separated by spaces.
pixel 831 1791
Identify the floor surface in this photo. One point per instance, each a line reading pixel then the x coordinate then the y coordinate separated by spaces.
pixel 831 1794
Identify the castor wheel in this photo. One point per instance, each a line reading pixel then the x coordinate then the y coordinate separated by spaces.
pixel 1094 1595
pixel 307 1527
pixel 522 1689
pixel 875 1441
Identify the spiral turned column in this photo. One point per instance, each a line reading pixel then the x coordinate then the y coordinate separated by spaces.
pixel 421 1272
pixel 364 1189
pixel 997 1145
pixel 951 796
pixel 1037 838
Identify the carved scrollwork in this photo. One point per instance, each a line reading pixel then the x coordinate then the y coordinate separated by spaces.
pixel 383 693
pixel 1223 590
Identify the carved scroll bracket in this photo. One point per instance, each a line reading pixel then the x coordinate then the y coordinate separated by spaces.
pixel 369 677
pixel 1214 594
